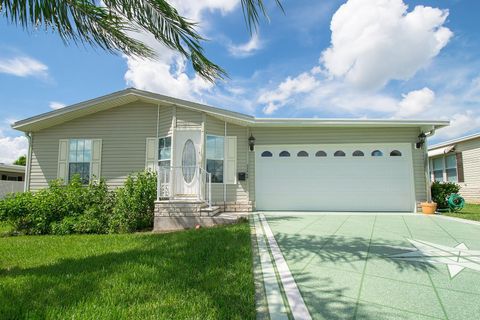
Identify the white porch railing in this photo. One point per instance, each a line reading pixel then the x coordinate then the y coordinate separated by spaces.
pixel 177 183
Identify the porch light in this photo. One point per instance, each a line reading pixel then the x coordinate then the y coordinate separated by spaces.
pixel 421 140
pixel 251 142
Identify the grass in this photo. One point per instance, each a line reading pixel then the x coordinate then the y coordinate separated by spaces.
pixel 197 274
pixel 470 212
pixel 4 228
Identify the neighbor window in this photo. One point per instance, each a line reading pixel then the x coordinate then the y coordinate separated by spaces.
pixel 79 158
pixel 437 169
pixel 451 168
pixel 164 151
pixel 215 156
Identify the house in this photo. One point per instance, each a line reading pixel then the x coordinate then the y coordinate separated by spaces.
pixel 458 161
pixel 210 159
pixel 12 179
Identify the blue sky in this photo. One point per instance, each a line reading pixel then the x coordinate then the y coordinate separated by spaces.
pixel 329 58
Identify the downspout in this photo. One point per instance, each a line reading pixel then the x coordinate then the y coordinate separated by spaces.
pixel 26 185
pixel 224 184
pixel 427 165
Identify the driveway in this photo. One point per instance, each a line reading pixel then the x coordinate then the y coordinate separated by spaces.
pixel 370 266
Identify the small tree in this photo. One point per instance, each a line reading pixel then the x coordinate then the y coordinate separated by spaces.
pixel 21 161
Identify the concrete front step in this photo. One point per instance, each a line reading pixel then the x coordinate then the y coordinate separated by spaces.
pixel 173 223
pixel 210 211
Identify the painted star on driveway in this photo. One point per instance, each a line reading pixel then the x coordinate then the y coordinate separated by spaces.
pixel 456 258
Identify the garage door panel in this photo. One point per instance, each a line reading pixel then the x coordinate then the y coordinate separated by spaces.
pixel 335 183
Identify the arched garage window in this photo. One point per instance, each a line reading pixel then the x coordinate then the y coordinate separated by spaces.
pixel 377 153
pixel 395 153
pixel 267 154
pixel 284 154
pixel 358 153
pixel 320 154
pixel 302 154
pixel 339 153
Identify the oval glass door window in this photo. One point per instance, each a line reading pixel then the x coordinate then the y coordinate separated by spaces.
pixel 189 161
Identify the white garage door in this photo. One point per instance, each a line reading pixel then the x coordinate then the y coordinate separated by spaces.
pixel 345 177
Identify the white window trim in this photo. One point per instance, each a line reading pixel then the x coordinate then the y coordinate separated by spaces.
pixel 90 162
pixel 223 157
pixel 158 150
pixel 444 167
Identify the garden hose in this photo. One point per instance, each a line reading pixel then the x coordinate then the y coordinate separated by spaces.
pixel 455 202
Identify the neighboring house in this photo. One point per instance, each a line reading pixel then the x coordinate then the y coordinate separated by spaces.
pixel 12 178
pixel 458 161
pixel 230 160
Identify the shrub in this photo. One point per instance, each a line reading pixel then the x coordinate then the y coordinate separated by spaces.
pixel 135 203
pixel 441 191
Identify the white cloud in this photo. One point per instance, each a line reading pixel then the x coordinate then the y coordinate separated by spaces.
pixel 460 124
pixel 375 41
pixel 23 67
pixel 12 148
pixel 167 74
pixel 414 103
pixel 55 105
pixel 246 49
pixel 193 9
pixel 275 99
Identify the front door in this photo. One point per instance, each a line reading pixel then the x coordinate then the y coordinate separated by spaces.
pixel 187 162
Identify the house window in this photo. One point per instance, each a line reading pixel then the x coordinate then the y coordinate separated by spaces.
pixel 215 157
pixel 302 154
pixel 451 168
pixel 320 154
pixel 164 151
pixel 358 153
pixel 339 153
pixel 437 166
pixel 377 153
pixel 395 153
pixel 267 154
pixel 284 154
pixel 79 159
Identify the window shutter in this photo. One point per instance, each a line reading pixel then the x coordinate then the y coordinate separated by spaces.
pixel 230 163
pixel 96 164
pixel 151 154
pixel 62 170
pixel 460 174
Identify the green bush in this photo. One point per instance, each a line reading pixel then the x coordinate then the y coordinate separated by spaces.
pixel 135 203
pixel 76 208
pixel 441 191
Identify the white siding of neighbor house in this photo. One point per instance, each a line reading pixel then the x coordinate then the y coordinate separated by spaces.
pixel 275 136
pixel 471 168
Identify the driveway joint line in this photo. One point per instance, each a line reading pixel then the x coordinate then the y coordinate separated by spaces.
pixel 364 269
pixel 328 240
pixel 429 277
pixel 295 299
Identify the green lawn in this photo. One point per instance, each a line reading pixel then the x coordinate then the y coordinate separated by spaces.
pixel 4 228
pixel 470 212
pixel 197 274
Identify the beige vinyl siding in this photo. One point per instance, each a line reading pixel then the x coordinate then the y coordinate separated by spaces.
pixel 165 122
pixel 123 131
pixel 188 118
pixel 273 136
pixel 235 192
pixel 471 167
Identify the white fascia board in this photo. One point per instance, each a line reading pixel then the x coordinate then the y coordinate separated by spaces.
pixel 454 141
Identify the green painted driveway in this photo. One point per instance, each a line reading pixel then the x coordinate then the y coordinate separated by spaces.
pixel 382 266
